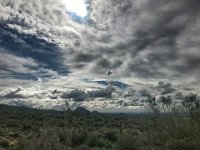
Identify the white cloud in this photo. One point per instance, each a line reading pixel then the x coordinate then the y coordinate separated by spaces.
pixel 11 62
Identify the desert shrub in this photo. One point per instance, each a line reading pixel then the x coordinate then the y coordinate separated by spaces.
pixel 12 123
pixel 62 137
pixel 93 140
pixel 1 132
pixel 21 145
pixel 195 114
pixel 111 135
pixel 14 135
pixel 4 143
pixel 79 132
pixel 78 137
pixel 126 142
pixel 184 145
pixel 45 140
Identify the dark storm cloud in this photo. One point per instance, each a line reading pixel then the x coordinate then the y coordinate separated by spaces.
pixel 144 92
pixel 13 94
pixel 84 57
pixel 81 95
pixel 102 93
pixel 152 35
pixel 165 88
pixel 76 95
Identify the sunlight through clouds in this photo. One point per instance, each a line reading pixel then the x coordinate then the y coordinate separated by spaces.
pixel 76 6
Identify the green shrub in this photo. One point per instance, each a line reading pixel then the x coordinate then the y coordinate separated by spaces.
pixel 111 135
pixel 126 142
pixel 14 135
pixel 184 145
pixel 45 140
pixel 4 143
pixel 78 137
pixel 93 140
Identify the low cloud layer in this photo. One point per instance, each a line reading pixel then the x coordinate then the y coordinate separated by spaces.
pixel 101 99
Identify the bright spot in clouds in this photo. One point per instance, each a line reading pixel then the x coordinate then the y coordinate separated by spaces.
pixel 76 6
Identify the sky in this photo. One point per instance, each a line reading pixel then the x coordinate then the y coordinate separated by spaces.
pixel 54 51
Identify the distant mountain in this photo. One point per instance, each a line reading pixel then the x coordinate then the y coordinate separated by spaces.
pixel 82 110
pixel 95 112
pixel 69 111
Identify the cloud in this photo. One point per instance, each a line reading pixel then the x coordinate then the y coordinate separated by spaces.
pixel 24 68
pixel 128 36
pixel 141 41
pixel 14 63
pixel 146 41
pixel 76 95
pixel 165 88
pixel 11 94
pixel 81 95
pixel 103 93
pixel 144 92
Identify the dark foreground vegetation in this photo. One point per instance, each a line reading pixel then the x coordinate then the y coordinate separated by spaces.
pixel 30 129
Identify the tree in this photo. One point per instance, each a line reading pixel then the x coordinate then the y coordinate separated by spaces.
pixel 152 104
pixel 166 102
pixel 190 102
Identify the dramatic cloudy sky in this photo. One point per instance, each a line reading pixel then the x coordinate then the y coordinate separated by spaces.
pixel 49 48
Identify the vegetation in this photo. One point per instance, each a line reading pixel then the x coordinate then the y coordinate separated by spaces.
pixel 24 128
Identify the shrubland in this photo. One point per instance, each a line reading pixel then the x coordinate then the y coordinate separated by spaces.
pixel 169 127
